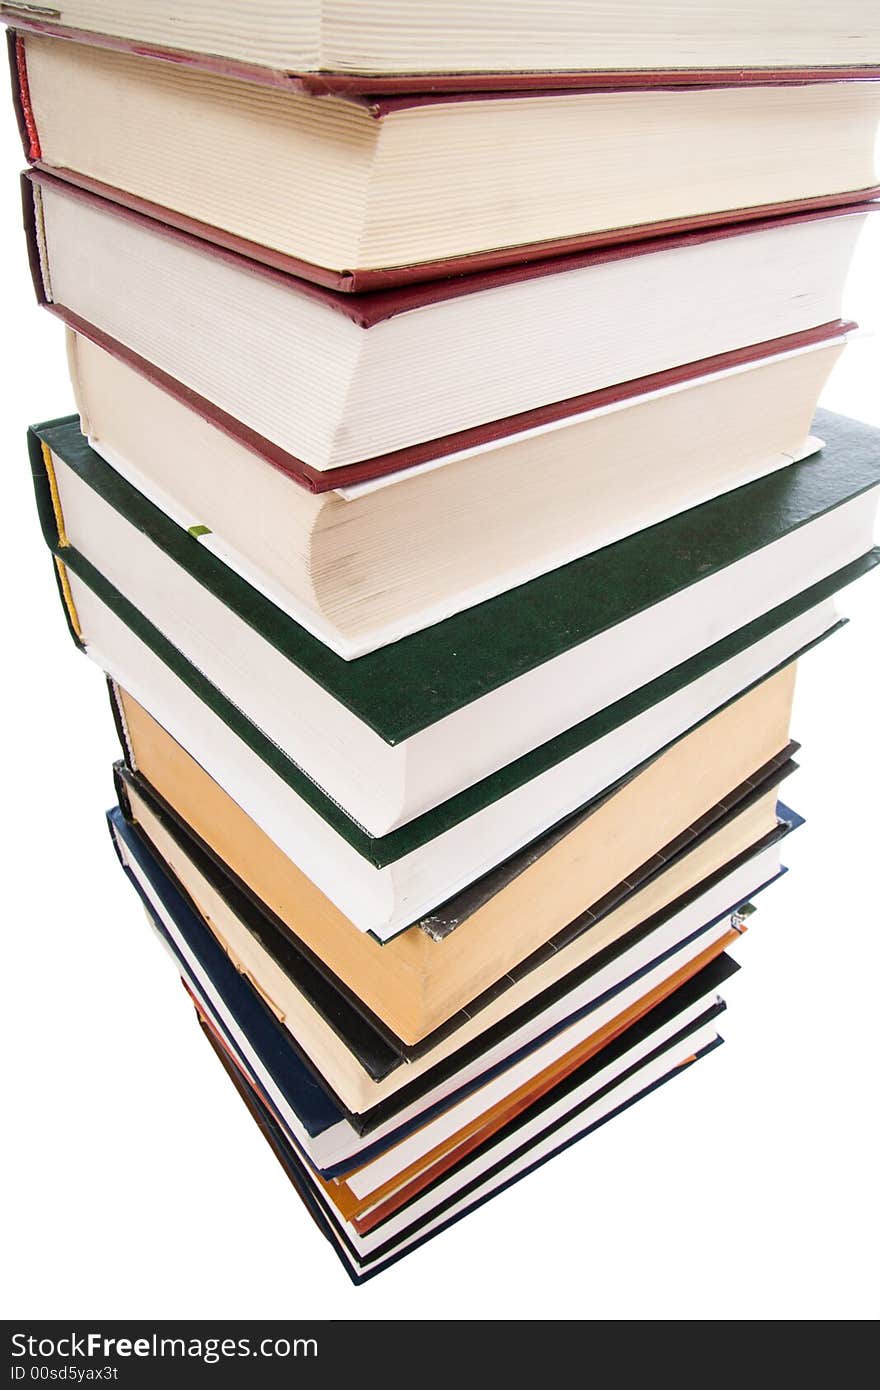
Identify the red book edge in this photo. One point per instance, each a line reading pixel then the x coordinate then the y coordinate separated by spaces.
pixel 400 460
pixel 431 281
pixel 362 87
pixel 366 470
pixel 21 101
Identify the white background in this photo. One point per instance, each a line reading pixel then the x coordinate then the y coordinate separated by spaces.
pixel 137 1186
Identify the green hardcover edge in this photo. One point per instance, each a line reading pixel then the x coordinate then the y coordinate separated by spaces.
pixel 408 686
pixel 383 850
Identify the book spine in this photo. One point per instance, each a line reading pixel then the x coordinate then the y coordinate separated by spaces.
pixel 15 90
pixel 31 216
pixel 53 528
pixel 378 850
pixel 21 96
pixel 64 590
pixel 117 709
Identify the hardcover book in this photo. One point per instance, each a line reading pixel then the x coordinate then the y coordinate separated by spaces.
pixel 407 989
pixel 404 463
pixel 333 389
pixel 498 1165
pixel 717 755
pixel 362 570
pixel 459 745
pixel 407 188
pixel 344 47
pixel 744 547
pixel 332 1141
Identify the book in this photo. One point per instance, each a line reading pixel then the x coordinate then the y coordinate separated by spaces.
pixel 383 884
pixel 351 1195
pixel 602 958
pixel 364 569
pixel 501 695
pixel 335 1142
pixel 344 48
pixel 408 988
pixel 591 1109
pixel 332 1141
pixel 332 388
pixel 694 772
pixel 406 187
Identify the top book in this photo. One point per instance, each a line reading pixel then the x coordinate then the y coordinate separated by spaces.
pixel 346 45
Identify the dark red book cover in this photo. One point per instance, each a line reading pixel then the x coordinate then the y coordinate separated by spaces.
pixel 413 455
pixel 360 280
pixel 374 312
pixel 367 310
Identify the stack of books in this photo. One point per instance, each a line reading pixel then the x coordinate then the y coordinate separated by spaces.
pixel 448 508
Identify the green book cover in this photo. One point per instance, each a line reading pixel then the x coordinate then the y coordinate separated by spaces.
pixel 404 688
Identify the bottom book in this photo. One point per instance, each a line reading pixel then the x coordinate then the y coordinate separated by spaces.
pixel 587 1108
pixel 384 1199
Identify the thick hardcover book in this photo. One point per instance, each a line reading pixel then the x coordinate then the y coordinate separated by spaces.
pixel 611 1100
pixel 612 959
pixel 418 980
pixel 377 1047
pixel 333 1138
pixel 408 187
pixel 360 408
pixel 441 275
pixel 433 491
pixel 473 666
pixel 368 309
pixel 351 51
pixel 292 1165
pixel 404 689
pixel 340 902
